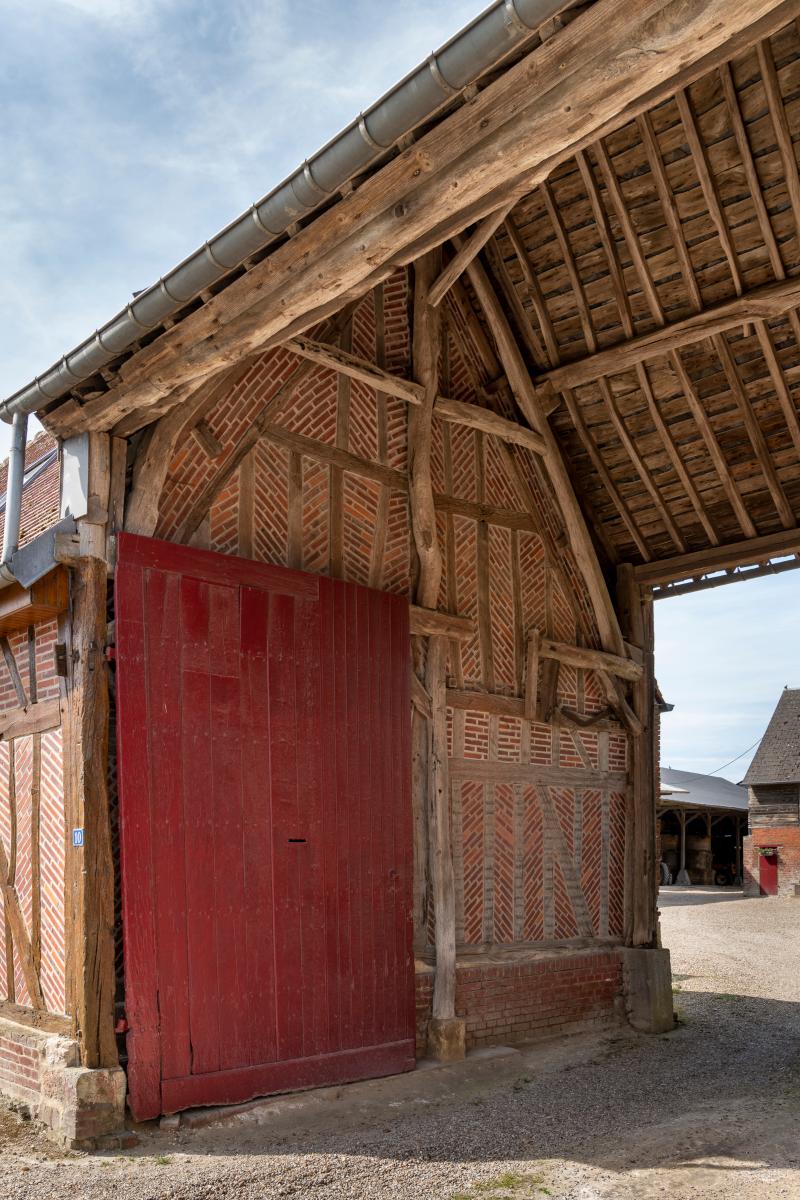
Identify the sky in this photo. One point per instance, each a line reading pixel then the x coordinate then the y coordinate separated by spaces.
pixel 133 130
pixel 723 657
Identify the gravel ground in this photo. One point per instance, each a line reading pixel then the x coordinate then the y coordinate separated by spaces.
pixel 710 1111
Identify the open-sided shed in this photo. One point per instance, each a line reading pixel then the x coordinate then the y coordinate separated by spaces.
pixel 365 506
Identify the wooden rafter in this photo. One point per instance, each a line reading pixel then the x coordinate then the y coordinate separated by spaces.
pixel 569 262
pixel 534 291
pixel 576 416
pixel 639 464
pixel 754 431
pixel 708 186
pixel 712 444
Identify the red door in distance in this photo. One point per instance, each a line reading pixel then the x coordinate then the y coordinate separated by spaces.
pixel 768 873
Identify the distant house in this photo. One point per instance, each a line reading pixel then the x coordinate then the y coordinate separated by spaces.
pixel 772 852
pixel 701 823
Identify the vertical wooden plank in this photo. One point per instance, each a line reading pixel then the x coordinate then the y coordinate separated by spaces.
pixel 197 732
pixel 141 984
pixel 226 788
pixel 36 853
pixel 32 684
pixel 247 500
pixel 361 828
pixel 331 863
pixel 11 982
pixel 285 748
pixel 641 918
pixel 440 835
pixel 399 722
pixel 345 745
pixel 294 549
pixel 165 706
pixel 257 825
pixel 308 855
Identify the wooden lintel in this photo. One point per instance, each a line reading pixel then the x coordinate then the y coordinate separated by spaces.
pixel 718 558
pixel 427 622
pixel 772 300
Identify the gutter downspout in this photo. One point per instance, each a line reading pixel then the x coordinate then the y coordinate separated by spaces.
pixel 16 475
pixel 482 44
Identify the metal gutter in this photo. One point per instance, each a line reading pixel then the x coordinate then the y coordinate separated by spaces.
pixel 483 43
pixel 15 479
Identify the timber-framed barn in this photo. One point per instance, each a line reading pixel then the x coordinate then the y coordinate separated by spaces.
pixel 328 717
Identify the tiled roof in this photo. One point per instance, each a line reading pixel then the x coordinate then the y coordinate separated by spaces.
pixel 40 495
pixel 777 759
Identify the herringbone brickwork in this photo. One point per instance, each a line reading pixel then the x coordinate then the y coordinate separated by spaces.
pixel 33 829
pixel 519 879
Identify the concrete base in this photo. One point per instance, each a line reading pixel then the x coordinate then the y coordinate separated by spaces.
pixel 647 986
pixel 41 1075
pixel 683 878
pixel 447 1039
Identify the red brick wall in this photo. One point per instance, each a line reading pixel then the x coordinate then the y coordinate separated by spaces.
pixel 19 1070
pixel 518 868
pixel 787 839
pixel 525 1001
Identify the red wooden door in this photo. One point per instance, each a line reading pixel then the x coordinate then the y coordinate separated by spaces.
pixel 265 828
pixel 768 873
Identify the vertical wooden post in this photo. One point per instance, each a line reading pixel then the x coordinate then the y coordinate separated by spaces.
pixel 90 866
pixel 429 744
pixel 641 916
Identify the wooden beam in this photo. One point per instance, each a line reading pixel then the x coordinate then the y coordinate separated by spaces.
pixel 719 558
pixel 90 888
pixel 532 654
pixel 37 718
pixel 204 436
pixel 641 914
pixel 455 412
pixel 428 622
pixel 425 349
pixel 593 660
pixel 576 529
pixel 440 840
pixel 608 59
pixel 472 246
pixel 247 502
pixel 13 670
pixel 772 300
